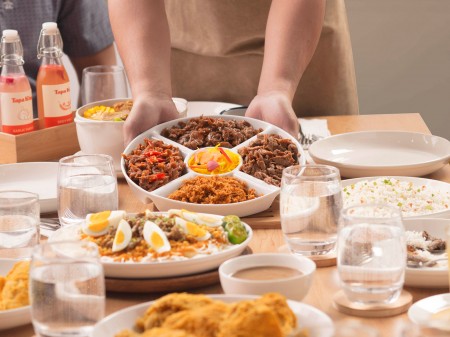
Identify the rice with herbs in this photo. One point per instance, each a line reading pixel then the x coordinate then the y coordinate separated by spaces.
pixel 412 199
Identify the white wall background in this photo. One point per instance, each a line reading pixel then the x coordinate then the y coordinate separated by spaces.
pixel 401 50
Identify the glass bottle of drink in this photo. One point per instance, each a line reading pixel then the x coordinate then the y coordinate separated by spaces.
pixel 52 84
pixel 16 105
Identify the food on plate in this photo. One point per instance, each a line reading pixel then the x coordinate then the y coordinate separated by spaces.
pixel 118 112
pixel 98 223
pixel 213 190
pixel 153 164
pixel 412 199
pixel 207 131
pixel 213 160
pixel 201 316
pixel 267 156
pixel 177 235
pixel 422 247
pixel 14 287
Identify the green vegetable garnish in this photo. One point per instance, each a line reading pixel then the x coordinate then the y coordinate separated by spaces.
pixel 235 229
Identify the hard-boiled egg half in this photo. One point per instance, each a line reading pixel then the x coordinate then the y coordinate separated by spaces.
pixel 155 237
pixel 97 224
pixel 210 220
pixel 122 237
pixel 190 228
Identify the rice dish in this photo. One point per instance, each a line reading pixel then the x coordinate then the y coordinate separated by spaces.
pixel 412 199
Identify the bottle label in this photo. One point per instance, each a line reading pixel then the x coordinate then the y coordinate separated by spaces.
pixel 17 112
pixel 57 104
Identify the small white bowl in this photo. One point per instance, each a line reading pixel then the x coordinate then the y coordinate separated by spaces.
pixel 294 287
pixel 106 137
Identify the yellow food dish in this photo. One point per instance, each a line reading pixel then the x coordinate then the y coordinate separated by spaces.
pixel 118 112
pixel 213 160
pixel 187 315
pixel 14 287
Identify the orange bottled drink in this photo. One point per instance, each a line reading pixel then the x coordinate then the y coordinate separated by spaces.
pixel 16 108
pixel 52 83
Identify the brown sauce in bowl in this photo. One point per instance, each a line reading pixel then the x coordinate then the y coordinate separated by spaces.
pixel 266 273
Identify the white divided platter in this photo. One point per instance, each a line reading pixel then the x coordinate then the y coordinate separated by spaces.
pixel 159 269
pixel 265 193
pixel 375 153
pixel 13 317
pixel 317 322
pixel 441 189
pixel 36 177
pixel 428 277
pixel 421 312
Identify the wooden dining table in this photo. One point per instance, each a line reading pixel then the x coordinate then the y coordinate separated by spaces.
pixel 269 238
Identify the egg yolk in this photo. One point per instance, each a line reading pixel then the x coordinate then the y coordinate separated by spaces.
pixel 99 221
pixel 120 237
pixel 157 240
pixel 195 230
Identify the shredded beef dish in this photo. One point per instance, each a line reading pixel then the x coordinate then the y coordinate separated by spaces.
pixel 206 131
pixel 267 156
pixel 154 164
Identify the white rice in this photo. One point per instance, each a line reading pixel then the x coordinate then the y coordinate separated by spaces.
pixel 412 199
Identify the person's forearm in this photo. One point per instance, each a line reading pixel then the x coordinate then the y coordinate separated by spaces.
pixel 292 33
pixel 142 35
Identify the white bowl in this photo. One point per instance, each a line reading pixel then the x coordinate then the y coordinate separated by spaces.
pixel 294 287
pixel 106 137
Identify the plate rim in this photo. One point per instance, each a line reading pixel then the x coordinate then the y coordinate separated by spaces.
pixel 231 298
pixel 411 311
pixel 377 167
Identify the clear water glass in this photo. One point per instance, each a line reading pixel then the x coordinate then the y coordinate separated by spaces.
pixel 371 253
pixel 310 203
pixel 19 223
pixel 67 289
pixel 86 184
pixel 103 82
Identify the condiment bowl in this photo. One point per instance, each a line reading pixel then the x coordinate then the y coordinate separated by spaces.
pixel 294 284
pixel 106 137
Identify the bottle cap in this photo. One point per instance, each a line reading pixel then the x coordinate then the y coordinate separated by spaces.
pixel 50 27
pixel 10 35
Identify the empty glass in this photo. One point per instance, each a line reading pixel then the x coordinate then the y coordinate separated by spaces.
pixel 103 82
pixel 67 288
pixel 371 253
pixel 86 184
pixel 19 223
pixel 309 208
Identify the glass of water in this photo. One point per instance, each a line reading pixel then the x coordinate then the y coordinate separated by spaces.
pixel 19 223
pixel 67 288
pixel 371 253
pixel 310 202
pixel 86 184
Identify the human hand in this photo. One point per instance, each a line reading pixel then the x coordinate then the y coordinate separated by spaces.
pixel 275 108
pixel 147 112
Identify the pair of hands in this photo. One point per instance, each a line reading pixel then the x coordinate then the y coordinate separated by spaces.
pixel 148 111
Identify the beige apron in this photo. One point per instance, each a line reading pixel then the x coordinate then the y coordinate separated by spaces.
pixel 218 47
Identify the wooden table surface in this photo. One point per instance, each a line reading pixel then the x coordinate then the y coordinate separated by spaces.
pixel 326 282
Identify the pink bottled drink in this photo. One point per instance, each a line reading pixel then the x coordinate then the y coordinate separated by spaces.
pixel 16 106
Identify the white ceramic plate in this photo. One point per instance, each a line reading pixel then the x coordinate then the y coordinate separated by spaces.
pixel 266 193
pixel 375 153
pixel 139 270
pixel 431 185
pixel 421 311
pixel 198 108
pixel 319 324
pixel 432 277
pixel 13 317
pixel 36 177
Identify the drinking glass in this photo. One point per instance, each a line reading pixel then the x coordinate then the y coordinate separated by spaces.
pixel 19 223
pixel 310 202
pixel 103 82
pixel 86 184
pixel 67 288
pixel 355 330
pixel 371 253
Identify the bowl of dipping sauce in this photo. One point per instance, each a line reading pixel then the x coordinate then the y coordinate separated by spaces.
pixel 257 274
pixel 214 161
